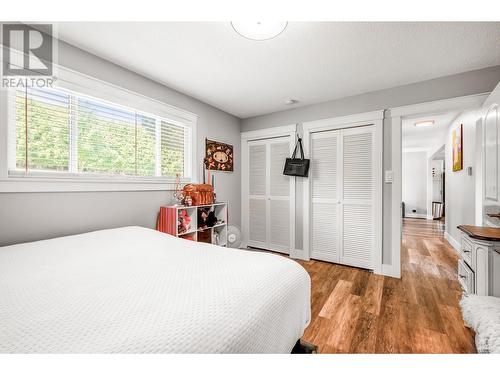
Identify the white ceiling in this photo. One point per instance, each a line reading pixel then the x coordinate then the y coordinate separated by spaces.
pixel 310 61
pixel 424 138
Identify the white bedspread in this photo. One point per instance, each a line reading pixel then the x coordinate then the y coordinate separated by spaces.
pixel 136 290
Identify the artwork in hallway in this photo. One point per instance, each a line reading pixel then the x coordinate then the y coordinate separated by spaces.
pixel 457 150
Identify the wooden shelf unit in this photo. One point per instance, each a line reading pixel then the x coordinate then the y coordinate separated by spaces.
pixel 169 216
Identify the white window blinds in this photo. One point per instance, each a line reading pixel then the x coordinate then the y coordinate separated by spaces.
pixel 62 131
pixel 42 130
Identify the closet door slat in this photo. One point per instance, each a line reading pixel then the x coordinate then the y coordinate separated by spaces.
pixel 257 169
pixel 279 225
pixel 279 183
pixel 257 222
pixel 324 167
pixel 269 200
pixel 358 241
pixel 358 167
pixel 324 174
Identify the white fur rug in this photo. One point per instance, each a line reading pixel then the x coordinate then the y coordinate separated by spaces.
pixel 482 314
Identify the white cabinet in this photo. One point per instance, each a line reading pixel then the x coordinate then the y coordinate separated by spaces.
pixel 479 266
pixel 466 277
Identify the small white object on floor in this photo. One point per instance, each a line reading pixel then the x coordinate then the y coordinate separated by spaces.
pixel 482 314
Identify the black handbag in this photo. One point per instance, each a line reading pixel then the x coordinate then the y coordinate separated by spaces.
pixel 295 166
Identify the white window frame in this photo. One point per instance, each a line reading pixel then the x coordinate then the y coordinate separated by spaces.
pixel 46 181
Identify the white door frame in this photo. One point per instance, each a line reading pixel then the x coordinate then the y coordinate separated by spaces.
pixel 397 113
pixel 374 118
pixel 262 134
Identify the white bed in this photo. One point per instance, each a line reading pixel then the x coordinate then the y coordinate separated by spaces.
pixel 136 290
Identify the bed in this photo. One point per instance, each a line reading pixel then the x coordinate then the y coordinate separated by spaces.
pixel 136 290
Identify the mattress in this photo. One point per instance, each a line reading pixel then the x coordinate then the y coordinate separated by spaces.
pixel 136 290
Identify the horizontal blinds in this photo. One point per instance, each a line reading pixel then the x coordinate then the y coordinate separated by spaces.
pixel 172 149
pixel 42 129
pixel 146 145
pixel 58 130
pixel 106 138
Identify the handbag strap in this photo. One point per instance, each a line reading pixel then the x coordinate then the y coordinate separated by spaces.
pixel 298 144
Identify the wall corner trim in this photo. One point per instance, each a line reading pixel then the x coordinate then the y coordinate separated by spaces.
pixel 453 242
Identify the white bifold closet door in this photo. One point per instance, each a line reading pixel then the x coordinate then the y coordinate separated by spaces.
pixel 269 195
pixel 342 196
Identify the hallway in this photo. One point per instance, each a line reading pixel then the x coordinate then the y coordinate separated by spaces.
pixel 355 311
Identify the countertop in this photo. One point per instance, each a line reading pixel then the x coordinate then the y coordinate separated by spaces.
pixel 481 233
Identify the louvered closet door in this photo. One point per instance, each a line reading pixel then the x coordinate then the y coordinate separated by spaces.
pixel 257 197
pixel 325 196
pixel 357 203
pixel 279 196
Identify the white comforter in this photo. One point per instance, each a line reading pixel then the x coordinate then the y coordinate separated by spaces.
pixel 136 290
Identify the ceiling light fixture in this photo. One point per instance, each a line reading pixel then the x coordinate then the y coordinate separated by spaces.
pixel 259 30
pixel 291 102
pixel 424 123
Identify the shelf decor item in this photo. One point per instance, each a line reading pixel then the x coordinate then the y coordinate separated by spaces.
pixel 218 156
pixel 199 194
pixel 178 193
pixel 183 222
pixel 457 148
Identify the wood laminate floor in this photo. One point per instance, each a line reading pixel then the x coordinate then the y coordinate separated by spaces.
pixel 355 311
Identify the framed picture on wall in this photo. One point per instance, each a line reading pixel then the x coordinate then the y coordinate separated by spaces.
pixel 457 148
pixel 219 156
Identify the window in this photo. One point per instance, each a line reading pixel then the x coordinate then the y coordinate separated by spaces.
pixel 63 132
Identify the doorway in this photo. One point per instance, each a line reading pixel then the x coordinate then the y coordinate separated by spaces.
pixel 414 113
pixel 437 186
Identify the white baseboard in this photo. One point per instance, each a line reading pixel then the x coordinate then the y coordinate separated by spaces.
pixel 416 216
pixel 298 254
pixel 430 217
pixel 453 242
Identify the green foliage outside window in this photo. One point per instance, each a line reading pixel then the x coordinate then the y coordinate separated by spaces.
pixel 110 141
pixel 48 135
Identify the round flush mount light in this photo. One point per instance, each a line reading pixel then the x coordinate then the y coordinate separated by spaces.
pixel 424 123
pixel 259 30
pixel 291 101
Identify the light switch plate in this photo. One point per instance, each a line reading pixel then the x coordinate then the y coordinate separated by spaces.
pixel 389 177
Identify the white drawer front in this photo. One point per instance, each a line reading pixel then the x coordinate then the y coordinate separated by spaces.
pixel 465 277
pixel 466 251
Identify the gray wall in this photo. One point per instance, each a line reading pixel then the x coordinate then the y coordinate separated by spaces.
pixel 414 183
pixel 460 186
pixel 33 216
pixel 469 83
